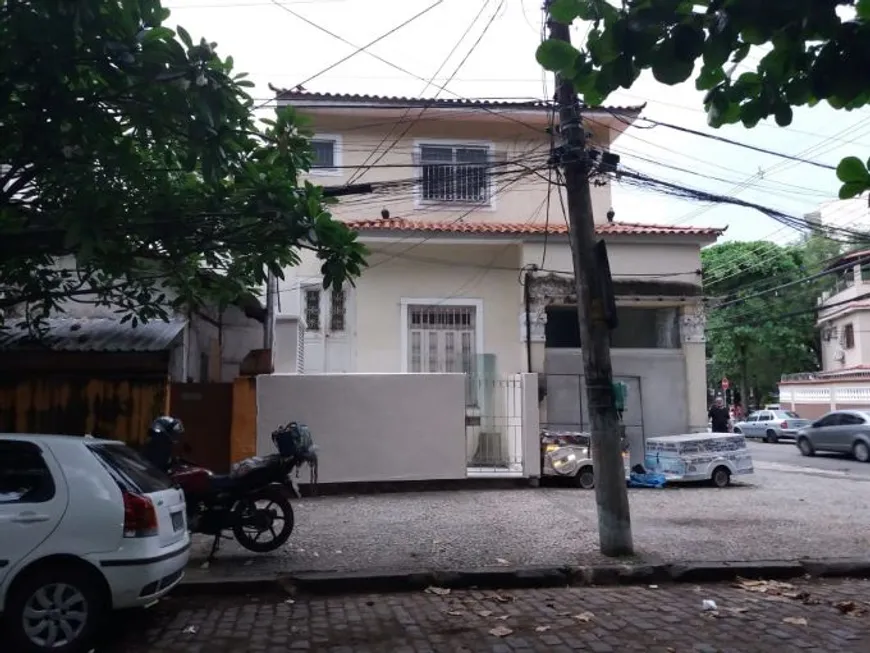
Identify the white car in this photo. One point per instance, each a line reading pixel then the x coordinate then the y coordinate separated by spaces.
pixel 86 526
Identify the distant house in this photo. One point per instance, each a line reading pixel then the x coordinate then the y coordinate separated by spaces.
pixel 844 329
pixel 463 218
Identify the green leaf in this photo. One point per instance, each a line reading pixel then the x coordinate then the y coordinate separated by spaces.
pixel 862 7
pixel 783 114
pixel 556 56
pixel 852 189
pixel 565 11
pixel 184 36
pixel 852 169
pixel 709 77
pixel 667 69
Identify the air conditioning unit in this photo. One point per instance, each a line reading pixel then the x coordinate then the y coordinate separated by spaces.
pixel 839 355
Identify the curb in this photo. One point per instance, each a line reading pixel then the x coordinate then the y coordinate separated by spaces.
pixel 362 582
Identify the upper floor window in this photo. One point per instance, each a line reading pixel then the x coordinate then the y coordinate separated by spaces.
pixel 326 155
pixel 848 336
pixel 455 174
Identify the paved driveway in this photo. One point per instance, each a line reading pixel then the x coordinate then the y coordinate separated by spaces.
pixel 775 515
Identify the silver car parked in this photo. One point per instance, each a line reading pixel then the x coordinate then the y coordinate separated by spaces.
pixel 771 425
pixel 840 431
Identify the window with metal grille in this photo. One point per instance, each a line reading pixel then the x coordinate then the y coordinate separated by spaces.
pixel 338 310
pixel 454 174
pixel 441 339
pixel 312 310
pixel 848 336
pixel 323 154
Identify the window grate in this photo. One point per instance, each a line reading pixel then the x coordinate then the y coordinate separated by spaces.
pixel 338 310
pixel 323 154
pixel 312 310
pixel 452 174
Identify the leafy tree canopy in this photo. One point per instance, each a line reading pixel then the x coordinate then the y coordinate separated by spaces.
pixel 132 149
pixel 751 326
pixel 816 50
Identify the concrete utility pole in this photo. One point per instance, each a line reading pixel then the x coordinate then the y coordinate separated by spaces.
pixel 592 279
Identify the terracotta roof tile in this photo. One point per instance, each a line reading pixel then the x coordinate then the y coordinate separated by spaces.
pixel 403 102
pixel 525 228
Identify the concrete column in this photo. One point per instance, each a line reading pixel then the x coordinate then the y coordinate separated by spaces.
pixel 693 342
pixel 531 428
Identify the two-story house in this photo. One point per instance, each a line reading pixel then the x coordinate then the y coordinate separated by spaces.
pixel 844 329
pixel 465 212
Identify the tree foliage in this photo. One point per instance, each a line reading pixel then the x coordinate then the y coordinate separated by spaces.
pixel 751 326
pixel 814 53
pixel 132 149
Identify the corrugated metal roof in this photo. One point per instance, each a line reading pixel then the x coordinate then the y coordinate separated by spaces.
pixel 94 334
pixel 527 228
pixel 295 97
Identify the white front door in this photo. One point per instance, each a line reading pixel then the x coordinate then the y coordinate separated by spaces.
pixel 328 329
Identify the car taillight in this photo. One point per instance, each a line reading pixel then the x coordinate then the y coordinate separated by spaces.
pixel 784 425
pixel 140 517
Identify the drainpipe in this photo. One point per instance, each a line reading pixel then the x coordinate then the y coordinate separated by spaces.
pixel 527 300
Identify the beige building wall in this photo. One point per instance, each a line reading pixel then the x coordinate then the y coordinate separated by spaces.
pixel 514 201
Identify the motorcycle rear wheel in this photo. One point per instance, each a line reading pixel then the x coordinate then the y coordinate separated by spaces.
pixel 276 520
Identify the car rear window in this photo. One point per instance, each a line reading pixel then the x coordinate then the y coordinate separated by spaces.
pixel 787 414
pixel 131 469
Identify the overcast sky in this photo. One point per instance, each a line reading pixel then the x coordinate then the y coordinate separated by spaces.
pixel 276 47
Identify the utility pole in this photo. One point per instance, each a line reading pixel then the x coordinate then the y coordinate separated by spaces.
pixel 592 279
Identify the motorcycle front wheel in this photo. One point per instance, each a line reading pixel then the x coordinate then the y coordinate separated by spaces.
pixel 263 521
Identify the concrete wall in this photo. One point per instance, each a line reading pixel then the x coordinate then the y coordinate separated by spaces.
pixel 371 427
pixel 285 346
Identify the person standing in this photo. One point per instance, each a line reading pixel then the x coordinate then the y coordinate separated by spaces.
pixel 719 417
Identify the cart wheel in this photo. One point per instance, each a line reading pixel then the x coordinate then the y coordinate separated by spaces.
pixel 721 477
pixel 585 478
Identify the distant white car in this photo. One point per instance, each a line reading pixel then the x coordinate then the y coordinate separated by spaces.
pixel 86 526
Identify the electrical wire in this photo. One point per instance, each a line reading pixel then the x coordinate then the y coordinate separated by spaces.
pixel 362 169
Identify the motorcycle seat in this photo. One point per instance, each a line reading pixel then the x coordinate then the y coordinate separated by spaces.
pixel 222 481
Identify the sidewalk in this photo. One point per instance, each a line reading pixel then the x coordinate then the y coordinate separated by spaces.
pixel 777 515
pixel 807 617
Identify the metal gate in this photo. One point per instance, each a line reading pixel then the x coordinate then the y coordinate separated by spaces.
pixel 494 426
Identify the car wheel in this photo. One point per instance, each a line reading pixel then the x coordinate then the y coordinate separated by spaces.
pixel 861 452
pixel 806 447
pixel 771 436
pixel 721 477
pixel 585 478
pixel 738 431
pixel 56 608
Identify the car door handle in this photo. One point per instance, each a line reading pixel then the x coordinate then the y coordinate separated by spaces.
pixel 29 518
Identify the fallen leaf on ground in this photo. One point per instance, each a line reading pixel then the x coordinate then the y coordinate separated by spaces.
pixel 316 554
pixel 563 614
pixel 485 613
pixel 190 630
pixel 204 565
pixel 438 591
pixel 542 629
pixel 795 621
pixel 653 587
pixel 585 617
pixel 503 617
pixel 289 601
pixel 338 552
pixel 500 631
pixel 765 586
pixel 502 561
pixel 455 613
pixel 737 610
pixel 850 608
pixel 501 598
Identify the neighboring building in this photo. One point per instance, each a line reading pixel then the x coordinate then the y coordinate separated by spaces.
pixel 450 243
pixel 844 329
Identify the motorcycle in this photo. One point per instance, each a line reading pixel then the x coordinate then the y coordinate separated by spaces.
pixel 253 500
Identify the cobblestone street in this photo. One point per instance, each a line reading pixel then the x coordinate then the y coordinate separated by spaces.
pixel 755 616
